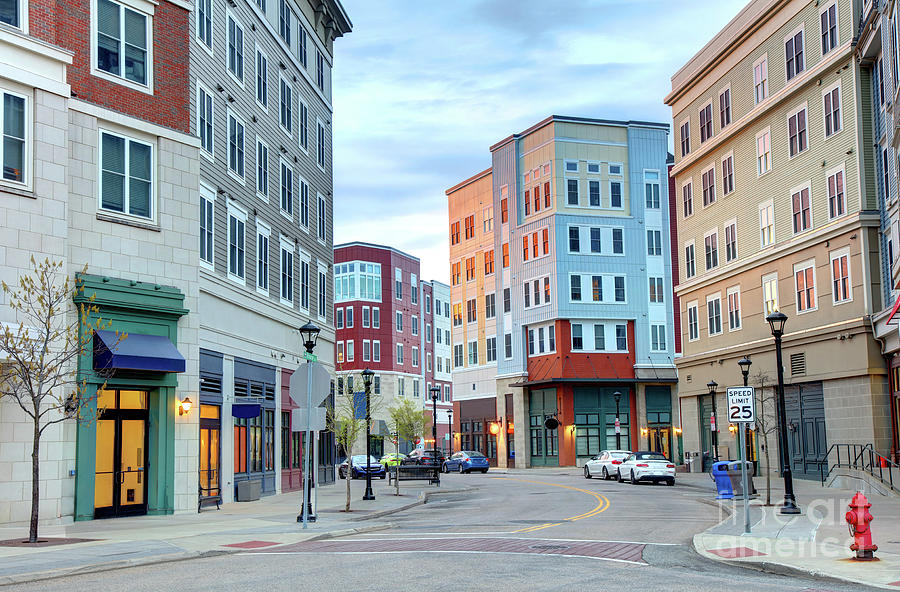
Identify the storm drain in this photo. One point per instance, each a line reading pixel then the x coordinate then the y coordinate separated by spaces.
pixel 549 547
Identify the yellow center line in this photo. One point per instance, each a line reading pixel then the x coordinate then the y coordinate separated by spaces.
pixel 602 506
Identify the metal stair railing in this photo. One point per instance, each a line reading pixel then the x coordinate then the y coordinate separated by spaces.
pixel 859 457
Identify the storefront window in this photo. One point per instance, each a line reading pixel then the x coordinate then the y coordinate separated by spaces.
pixel 611 431
pixel 240 445
pixel 587 434
pixel 285 439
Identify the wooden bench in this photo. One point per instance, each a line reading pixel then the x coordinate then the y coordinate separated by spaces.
pixel 206 495
pixel 414 473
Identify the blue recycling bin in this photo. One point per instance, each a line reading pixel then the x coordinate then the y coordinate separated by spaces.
pixel 723 480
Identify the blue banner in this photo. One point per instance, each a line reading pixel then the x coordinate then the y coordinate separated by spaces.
pixel 359 405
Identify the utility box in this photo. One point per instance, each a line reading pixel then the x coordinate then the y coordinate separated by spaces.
pixel 249 491
pixel 694 462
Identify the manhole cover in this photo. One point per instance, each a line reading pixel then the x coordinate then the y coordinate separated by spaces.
pixel 549 547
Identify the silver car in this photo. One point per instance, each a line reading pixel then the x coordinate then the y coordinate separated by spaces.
pixel 605 464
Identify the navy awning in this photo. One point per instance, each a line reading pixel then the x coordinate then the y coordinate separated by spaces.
pixel 245 410
pixel 136 352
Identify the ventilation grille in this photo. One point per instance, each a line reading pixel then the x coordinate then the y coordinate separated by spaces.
pixel 240 389
pixel 798 364
pixel 211 385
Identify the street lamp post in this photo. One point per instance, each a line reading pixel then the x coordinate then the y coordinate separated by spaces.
pixel 435 391
pixel 745 363
pixel 309 333
pixel 714 425
pixel 776 323
pixel 450 429
pixel 618 397
pixel 367 382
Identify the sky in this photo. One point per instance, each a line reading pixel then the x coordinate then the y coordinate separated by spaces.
pixel 423 88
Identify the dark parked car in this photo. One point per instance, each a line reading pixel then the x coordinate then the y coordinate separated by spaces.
pixel 427 458
pixel 359 468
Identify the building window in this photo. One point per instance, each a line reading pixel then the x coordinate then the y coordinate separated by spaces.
pixel 455 273
pixel 415 364
pixel 804 277
pixel 770 293
pixel 574 239
pixel 507 346
pixel 575 288
pixel 458 355
pixel 454 233
pixel 837 202
pixel 236 145
pixel 376 351
pixel 761 79
pixel 126 172
pixel 320 144
pixel 621 337
pixel 287 281
pixel 714 314
pixel 793 53
pixel 490 308
pixel 15 137
pixel 596 240
pixel 123 39
pixel 471 311
pixel 840 277
pixel 399 353
pixel 693 323
pixel 728 175
pixel 708 178
pixel 725 108
pixel 470 226
pixel 488 262
pixel 619 285
pixel 766 224
pixel 320 70
pixel 262 258
pixel 323 299
pixel 457 314
pixel 734 308
pixel 687 199
pixel 488 217
pixel 832 100
pixel 690 269
pixel 304 281
pixel 577 339
pixel 284 21
pixel 651 189
pixel 800 210
pixel 657 338
pixel 204 119
pixel 470 269
pixel 706 126
pixel 829 28
pixel 262 170
pixel 414 325
pixel 656 289
pixel 235 48
pixel 572 191
pixel 730 240
pixel 376 318
pixel 339 318
pixel 473 353
pixel 506 300
pixel 398 317
pixel 711 244
pixel 321 222
pixel 491 344
pixel 207 217
pixel 287 190
pixel 204 22
pixel 654 242
pixel 236 223
pixel 797 132
pixel 618 241
pixel 686 138
pixel 594 193
pixel 763 153
pixel 262 79
pixel 367 351
pixel 285 111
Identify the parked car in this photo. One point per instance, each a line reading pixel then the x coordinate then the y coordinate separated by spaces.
pixel 646 466
pixel 466 461
pixel 376 469
pixel 428 458
pixel 392 459
pixel 605 464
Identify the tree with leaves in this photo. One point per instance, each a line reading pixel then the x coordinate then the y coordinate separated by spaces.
pixel 407 421
pixel 39 356
pixel 766 421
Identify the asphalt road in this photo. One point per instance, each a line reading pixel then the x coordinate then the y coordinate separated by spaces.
pixel 516 532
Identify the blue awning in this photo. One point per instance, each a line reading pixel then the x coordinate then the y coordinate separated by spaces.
pixel 245 410
pixel 136 352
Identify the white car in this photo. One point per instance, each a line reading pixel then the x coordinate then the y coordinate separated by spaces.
pixel 646 466
pixel 605 464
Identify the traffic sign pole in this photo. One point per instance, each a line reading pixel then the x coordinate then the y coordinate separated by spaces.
pixel 742 411
pixel 744 484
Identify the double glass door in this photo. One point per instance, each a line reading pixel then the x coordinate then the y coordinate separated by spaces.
pixel 209 449
pixel 120 473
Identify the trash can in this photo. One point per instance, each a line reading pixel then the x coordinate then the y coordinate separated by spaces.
pixel 734 473
pixel 723 480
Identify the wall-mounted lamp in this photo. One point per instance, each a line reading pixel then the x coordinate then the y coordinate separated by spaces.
pixel 678 431
pixel 185 406
pixel 644 432
pixel 732 428
pixel 494 427
pixel 573 428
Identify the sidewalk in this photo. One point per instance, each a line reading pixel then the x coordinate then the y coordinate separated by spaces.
pixel 815 543
pixel 236 527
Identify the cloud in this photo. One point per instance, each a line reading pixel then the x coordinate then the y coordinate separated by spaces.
pixel 422 90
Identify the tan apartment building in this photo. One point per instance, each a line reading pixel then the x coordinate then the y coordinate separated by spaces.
pixel 778 210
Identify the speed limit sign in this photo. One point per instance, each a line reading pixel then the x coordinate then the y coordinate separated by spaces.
pixel 741 408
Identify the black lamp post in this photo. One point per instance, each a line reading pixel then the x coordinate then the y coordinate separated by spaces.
pixel 450 429
pixel 367 382
pixel 435 391
pixel 618 396
pixel 714 427
pixel 745 364
pixel 309 334
pixel 776 323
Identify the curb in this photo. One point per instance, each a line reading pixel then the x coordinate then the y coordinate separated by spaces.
pixel 351 531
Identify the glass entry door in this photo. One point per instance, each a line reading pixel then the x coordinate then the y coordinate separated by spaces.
pixel 120 473
pixel 209 449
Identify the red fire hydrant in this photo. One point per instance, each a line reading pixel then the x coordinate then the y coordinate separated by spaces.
pixel 858 519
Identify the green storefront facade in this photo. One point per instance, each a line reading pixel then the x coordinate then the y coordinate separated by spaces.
pixel 125 448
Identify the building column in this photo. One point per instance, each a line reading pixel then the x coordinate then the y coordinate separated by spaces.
pixel 278 443
pixel 226 436
pixel 502 454
pixel 520 425
pixel 640 423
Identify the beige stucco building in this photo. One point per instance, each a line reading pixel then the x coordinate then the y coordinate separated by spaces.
pixel 778 210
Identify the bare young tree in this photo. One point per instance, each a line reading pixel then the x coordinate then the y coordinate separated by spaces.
pixel 39 357
pixel 766 421
pixel 407 421
pixel 346 420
